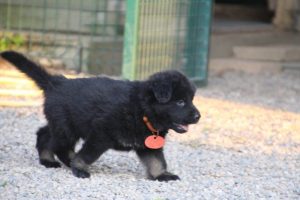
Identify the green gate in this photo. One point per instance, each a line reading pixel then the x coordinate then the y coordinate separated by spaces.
pixel 96 37
pixel 168 34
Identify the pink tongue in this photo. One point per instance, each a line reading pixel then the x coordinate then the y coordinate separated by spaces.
pixel 184 127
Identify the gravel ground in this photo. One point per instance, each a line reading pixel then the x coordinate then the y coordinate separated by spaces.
pixel 279 91
pixel 247 146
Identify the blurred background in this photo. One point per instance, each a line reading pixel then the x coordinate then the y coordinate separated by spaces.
pixel 135 38
pixel 244 53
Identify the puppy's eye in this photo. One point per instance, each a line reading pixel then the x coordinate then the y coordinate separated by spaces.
pixel 180 103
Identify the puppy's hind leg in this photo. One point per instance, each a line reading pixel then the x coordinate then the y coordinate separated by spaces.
pixel 46 155
pixel 63 147
pixel 91 150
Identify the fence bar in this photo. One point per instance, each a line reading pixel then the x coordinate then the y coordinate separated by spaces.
pixel 130 39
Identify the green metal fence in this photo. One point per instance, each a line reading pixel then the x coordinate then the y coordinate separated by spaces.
pixel 94 36
pixel 86 34
pixel 168 34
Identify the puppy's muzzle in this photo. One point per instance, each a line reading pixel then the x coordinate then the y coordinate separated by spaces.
pixel 195 117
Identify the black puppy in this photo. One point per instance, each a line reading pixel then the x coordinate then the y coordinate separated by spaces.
pixel 108 114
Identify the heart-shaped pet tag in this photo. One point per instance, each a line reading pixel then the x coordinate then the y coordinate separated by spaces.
pixel 154 142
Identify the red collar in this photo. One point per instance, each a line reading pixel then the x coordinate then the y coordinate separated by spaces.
pixel 149 125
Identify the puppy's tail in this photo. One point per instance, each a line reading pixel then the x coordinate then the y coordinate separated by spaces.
pixel 43 79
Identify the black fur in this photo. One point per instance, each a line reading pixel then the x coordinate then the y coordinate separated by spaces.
pixel 108 114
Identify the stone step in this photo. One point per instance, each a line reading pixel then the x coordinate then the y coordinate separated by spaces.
pixel 17 74
pixel 217 66
pixel 17 83
pixel 13 79
pixel 221 45
pixel 291 65
pixel 17 90
pixel 11 73
pixel 279 53
pixel 20 93
pixel 20 103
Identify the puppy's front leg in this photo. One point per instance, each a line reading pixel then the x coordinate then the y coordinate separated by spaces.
pixel 156 165
pixel 91 150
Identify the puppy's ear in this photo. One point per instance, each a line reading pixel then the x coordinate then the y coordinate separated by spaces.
pixel 162 90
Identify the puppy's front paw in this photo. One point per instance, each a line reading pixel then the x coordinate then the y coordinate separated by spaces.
pixel 80 173
pixel 167 176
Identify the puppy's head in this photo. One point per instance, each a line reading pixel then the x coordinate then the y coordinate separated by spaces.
pixel 170 96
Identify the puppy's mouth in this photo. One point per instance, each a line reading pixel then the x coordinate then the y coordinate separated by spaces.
pixel 180 128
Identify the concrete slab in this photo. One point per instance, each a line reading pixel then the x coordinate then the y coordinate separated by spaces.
pixel 291 65
pixel 282 53
pixel 222 44
pixel 218 66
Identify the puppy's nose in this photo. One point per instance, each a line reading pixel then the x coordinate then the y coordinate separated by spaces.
pixel 197 116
